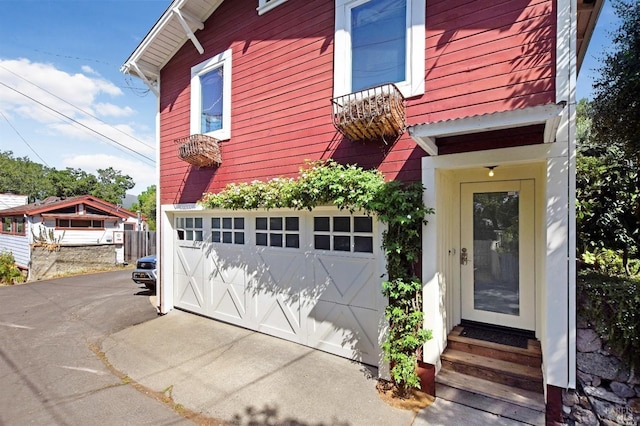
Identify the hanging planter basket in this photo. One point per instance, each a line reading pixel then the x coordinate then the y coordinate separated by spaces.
pixel 370 114
pixel 199 150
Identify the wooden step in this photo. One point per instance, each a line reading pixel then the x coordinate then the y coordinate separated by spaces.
pixel 531 356
pixel 493 370
pixel 509 394
pixel 523 415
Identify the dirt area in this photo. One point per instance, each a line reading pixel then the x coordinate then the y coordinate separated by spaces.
pixel 415 401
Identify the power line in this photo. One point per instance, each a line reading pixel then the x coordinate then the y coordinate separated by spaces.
pixel 81 124
pixel 23 139
pixel 76 107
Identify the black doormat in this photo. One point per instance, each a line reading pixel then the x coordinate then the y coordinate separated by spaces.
pixel 496 336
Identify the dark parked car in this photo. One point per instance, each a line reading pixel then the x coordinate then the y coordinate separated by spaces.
pixel 145 272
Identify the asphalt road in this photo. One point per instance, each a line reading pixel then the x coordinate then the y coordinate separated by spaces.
pixel 49 374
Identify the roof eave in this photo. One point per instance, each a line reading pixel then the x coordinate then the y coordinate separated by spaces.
pixel 137 66
pixel 425 134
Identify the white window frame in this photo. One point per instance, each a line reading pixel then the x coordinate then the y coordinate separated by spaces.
pixel 413 85
pixel 221 60
pixel 266 5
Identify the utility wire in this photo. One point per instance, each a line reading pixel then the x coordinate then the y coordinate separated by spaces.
pixel 80 124
pixel 23 139
pixel 76 107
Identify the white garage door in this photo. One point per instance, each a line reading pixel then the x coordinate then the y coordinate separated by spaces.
pixel 311 278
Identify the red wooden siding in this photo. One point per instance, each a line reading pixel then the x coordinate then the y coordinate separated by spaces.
pixel 480 58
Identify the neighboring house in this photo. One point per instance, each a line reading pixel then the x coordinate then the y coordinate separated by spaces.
pixel 485 118
pixel 69 222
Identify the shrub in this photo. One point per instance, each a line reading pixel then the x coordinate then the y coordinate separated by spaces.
pixel 610 304
pixel 610 262
pixel 9 272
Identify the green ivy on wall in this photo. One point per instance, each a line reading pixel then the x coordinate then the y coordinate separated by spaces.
pixel 352 188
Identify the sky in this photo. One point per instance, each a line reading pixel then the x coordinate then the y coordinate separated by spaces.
pixel 65 103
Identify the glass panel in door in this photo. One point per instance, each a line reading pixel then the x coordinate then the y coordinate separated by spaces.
pixel 495 252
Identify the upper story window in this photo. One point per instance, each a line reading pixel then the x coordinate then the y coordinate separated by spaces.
pixel 211 97
pixel 266 5
pixel 379 42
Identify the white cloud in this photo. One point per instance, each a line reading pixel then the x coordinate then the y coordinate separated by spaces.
pixel 107 109
pixel 143 175
pixel 88 70
pixel 36 84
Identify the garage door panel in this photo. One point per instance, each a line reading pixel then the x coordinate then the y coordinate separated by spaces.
pixel 230 297
pixel 279 272
pixel 190 281
pixel 329 300
pixel 348 331
pixel 347 281
pixel 281 316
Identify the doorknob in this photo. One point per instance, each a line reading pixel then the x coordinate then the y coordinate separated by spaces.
pixel 463 256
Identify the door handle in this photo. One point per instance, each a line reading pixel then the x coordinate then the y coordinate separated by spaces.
pixel 463 256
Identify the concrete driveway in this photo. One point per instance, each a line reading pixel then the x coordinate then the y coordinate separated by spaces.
pixel 92 350
pixel 49 374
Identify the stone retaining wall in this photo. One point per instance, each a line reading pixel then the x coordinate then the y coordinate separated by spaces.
pixel 46 263
pixel 608 391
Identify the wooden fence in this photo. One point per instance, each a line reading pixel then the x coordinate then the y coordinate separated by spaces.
pixel 138 244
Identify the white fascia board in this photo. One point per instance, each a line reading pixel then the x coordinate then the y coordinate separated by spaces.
pixel 153 34
pixel 160 26
pixel 425 134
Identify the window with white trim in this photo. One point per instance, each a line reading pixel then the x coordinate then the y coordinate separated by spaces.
pixel 266 5
pixel 211 97
pixel 379 42
pixel 343 233
pixel 278 231
pixel 189 228
pixel 227 230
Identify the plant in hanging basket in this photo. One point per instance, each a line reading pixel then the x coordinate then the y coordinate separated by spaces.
pixel 199 150
pixel 375 113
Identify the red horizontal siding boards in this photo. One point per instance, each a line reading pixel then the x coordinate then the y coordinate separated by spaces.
pixel 480 58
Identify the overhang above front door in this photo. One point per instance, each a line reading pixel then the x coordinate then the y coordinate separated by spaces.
pixel 426 134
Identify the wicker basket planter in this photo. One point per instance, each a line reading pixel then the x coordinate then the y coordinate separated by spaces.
pixel 199 150
pixel 370 114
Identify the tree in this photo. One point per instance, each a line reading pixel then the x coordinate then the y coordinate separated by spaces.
pixel 616 104
pixel 147 206
pixel 112 186
pixel 607 191
pixel 71 182
pixel 22 176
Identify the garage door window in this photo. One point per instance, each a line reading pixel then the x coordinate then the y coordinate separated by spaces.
pixel 343 233
pixel 227 230
pixel 189 228
pixel 278 231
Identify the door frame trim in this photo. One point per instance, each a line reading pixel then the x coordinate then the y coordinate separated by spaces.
pixel 526 320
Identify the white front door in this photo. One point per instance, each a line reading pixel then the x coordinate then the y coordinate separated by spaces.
pixel 497 246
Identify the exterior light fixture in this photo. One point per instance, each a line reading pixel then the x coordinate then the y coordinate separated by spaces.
pixel 491 170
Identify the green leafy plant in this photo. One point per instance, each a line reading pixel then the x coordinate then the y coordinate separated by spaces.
pixel 9 272
pixel 398 205
pixel 610 304
pixel 610 262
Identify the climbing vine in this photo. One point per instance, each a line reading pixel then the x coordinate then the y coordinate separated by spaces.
pixel 398 205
